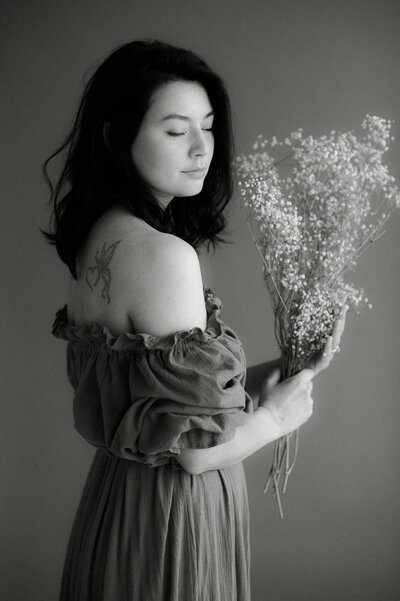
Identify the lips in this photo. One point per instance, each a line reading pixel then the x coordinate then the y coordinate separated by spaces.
pixel 196 173
pixel 197 169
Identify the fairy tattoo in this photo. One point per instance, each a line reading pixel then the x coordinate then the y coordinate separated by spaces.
pixel 102 270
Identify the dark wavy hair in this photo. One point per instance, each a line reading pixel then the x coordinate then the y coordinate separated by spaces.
pixel 97 175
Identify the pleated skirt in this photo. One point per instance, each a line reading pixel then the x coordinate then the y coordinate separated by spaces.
pixel 159 534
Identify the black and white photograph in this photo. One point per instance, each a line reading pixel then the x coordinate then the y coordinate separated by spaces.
pixel 201 319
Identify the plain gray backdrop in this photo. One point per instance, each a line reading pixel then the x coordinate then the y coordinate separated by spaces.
pixel 319 65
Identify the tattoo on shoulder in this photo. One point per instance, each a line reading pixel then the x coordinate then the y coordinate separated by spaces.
pixel 102 270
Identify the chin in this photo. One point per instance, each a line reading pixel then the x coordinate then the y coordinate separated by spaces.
pixel 189 191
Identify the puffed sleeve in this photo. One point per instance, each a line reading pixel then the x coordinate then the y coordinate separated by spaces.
pixel 144 398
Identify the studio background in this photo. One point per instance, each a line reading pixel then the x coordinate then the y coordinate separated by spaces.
pixel 319 65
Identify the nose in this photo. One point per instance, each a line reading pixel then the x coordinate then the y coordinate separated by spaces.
pixel 201 145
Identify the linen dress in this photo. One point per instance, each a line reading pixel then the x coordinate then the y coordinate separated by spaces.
pixel 145 529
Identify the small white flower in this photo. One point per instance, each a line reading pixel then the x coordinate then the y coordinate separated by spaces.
pixel 311 225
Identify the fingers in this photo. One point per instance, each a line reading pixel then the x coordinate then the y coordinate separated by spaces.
pixel 307 373
pixel 273 378
pixel 331 347
pixel 328 349
pixel 322 361
pixel 338 328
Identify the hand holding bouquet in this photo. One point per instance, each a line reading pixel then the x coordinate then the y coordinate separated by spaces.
pixel 310 221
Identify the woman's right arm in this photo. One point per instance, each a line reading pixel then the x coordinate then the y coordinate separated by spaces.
pixel 169 298
pixel 282 408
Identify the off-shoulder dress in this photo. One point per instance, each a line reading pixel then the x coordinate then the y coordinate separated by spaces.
pixel 145 529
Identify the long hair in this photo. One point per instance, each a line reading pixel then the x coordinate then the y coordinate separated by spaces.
pixel 98 171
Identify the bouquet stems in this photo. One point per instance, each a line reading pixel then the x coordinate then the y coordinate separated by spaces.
pixel 282 466
pixel 310 221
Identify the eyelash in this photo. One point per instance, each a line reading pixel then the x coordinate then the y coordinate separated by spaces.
pixel 174 134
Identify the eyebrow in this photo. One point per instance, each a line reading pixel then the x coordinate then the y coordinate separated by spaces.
pixel 183 117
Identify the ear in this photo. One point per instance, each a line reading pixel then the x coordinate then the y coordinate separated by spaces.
pixel 106 134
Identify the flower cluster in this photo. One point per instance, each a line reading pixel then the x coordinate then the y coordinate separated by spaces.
pixel 311 219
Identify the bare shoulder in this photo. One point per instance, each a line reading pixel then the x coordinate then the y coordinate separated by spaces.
pixel 166 293
pixel 133 277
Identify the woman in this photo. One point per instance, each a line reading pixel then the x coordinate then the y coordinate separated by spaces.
pixel 158 376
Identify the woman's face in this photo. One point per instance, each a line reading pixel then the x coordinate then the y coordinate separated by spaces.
pixel 175 144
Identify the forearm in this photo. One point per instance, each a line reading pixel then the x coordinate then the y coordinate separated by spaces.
pixel 260 429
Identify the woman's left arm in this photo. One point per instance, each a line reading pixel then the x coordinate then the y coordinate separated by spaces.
pixel 257 373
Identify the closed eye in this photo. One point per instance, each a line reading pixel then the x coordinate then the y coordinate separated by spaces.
pixel 175 133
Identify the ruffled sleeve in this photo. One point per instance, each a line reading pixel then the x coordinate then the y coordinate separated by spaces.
pixel 144 398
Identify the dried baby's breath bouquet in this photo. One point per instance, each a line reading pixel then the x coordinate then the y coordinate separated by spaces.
pixel 310 221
